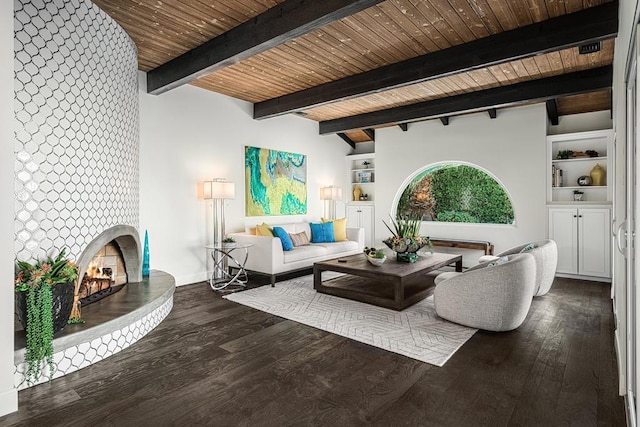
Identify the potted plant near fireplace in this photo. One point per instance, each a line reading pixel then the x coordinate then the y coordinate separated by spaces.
pixel 44 298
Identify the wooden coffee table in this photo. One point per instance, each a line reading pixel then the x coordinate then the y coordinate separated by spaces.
pixel 395 285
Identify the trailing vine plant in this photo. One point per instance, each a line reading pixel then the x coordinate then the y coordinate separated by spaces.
pixel 37 281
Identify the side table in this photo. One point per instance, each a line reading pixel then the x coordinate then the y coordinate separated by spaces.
pixel 221 276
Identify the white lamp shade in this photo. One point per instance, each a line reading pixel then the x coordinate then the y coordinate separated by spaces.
pixel 219 190
pixel 330 193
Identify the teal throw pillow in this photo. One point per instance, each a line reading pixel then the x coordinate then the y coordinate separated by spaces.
pixel 527 248
pixel 499 261
pixel 322 232
pixel 280 233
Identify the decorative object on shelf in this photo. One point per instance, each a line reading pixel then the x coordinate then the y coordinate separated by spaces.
pixel 366 164
pixel 592 153
pixel 556 177
pixel 357 192
pixel 364 197
pixel 584 180
pixel 598 175
pixel 364 177
pixel 145 255
pixel 330 194
pixel 577 195
pixel 44 299
pixel 564 154
pixel 406 240
pixel 375 256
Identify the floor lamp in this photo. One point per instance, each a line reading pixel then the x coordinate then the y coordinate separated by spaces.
pixel 330 194
pixel 218 190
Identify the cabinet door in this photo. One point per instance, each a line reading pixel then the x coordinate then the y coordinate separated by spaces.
pixel 366 215
pixel 594 242
pixel 353 216
pixel 563 230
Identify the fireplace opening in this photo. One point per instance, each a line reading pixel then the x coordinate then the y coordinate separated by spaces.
pixel 108 262
pixel 105 275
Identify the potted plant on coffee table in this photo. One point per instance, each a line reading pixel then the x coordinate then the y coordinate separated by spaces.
pixel 406 240
pixel 44 299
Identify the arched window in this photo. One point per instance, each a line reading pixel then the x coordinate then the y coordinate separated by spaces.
pixel 456 192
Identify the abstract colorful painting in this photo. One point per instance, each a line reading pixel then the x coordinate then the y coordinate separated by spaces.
pixel 275 182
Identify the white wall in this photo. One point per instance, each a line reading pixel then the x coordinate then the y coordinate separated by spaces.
pixel 8 394
pixel 584 122
pixel 511 147
pixel 189 135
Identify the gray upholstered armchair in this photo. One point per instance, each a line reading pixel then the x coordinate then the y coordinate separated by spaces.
pixel 491 297
pixel 545 253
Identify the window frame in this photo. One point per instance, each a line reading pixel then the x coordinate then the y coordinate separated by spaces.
pixel 411 177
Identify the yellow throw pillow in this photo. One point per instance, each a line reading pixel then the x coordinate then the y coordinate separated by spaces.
pixel 339 228
pixel 264 230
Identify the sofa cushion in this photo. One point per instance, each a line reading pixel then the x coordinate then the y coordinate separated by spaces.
pixel 338 247
pixel 280 233
pixel 339 228
pixel 264 230
pixel 304 252
pixel 299 239
pixel 322 232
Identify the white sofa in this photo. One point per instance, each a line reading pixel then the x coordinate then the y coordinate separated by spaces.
pixel 266 256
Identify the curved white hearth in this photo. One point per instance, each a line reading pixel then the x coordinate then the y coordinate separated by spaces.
pixel 106 330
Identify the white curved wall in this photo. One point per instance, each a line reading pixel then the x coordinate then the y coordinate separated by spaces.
pixel 76 126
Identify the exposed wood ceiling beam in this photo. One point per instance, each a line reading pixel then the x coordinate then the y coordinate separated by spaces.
pixel 592 24
pixel 346 139
pixel 281 23
pixel 552 111
pixel 504 96
pixel 371 133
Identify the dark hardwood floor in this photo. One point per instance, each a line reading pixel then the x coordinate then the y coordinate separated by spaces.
pixel 213 362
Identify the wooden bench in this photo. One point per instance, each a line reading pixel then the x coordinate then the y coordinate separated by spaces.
pixel 487 247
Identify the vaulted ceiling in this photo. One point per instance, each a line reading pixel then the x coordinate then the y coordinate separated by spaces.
pixel 354 66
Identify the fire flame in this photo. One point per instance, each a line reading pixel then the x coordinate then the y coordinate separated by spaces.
pixel 95 272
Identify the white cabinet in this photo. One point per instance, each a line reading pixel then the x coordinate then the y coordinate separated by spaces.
pixel 583 236
pixel 362 216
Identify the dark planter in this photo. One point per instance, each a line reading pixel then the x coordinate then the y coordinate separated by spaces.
pixel 62 295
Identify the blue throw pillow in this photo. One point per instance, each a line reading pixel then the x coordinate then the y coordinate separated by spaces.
pixel 322 232
pixel 280 233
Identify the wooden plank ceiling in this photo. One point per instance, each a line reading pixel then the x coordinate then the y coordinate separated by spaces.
pixel 387 33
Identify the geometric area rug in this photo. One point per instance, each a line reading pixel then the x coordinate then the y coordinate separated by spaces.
pixel 415 332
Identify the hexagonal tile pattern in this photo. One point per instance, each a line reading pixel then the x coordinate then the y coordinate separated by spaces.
pixel 96 349
pixel 76 126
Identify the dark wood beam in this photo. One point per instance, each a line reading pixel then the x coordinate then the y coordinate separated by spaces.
pixel 493 113
pixel 281 23
pixel 445 120
pixel 595 23
pixel 371 133
pixel 552 111
pixel 504 96
pixel 404 126
pixel 346 139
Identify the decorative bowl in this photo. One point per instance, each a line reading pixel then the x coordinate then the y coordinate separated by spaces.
pixel 376 261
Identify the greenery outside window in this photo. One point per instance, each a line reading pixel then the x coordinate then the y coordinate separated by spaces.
pixel 456 192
